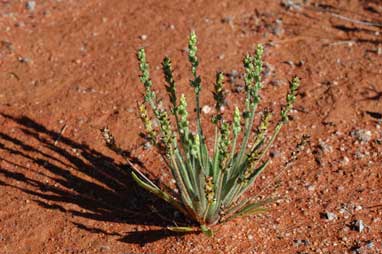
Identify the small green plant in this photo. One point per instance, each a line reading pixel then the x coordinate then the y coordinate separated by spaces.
pixel 210 185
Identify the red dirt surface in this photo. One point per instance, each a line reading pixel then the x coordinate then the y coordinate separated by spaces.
pixel 68 68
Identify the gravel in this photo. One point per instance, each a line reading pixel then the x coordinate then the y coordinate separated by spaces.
pixel 361 135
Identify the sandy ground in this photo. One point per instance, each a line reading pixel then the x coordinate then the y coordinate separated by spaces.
pixel 68 68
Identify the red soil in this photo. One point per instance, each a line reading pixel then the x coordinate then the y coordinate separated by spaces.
pixel 68 68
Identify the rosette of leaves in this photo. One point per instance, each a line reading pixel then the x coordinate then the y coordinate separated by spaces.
pixel 210 185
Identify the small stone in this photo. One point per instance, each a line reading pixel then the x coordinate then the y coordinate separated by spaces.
pixel 227 20
pixel 147 146
pixel 299 242
pixel 311 187
pixel 238 88
pixel 295 5
pixel 23 59
pixel 361 135
pixel 345 160
pixel 234 74
pixel 338 133
pixel 143 37
pixel 301 63
pixel 324 146
pixel 104 248
pixel 276 82
pixel 250 237
pixel 30 5
pixel 206 109
pixel 290 63
pixel 369 244
pixel 345 213
pixel 329 216
pixel 267 70
pixel 358 225
pixel 357 250
pixel 278 29
pixel 275 154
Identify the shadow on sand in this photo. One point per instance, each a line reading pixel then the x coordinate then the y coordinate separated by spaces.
pixel 77 174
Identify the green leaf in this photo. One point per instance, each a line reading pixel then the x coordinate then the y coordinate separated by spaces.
pixel 207 231
pixel 246 208
pixel 159 193
pixel 183 229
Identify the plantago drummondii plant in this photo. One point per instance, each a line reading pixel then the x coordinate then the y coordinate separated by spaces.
pixel 210 185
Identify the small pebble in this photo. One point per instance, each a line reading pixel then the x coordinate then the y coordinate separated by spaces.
pixel 345 213
pixel 324 147
pixel 238 88
pixel 357 250
pixel 267 70
pixel 104 248
pixel 369 244
pixel 143 37
pixel 329 216
pixel 299 242
pixel 227 20
pixel 301 63
pixel 278 29
pixel 23 59
pixel 276 82
pixel 292 4
pixel 275 154
pixel 206 109
pixel 147 146
pixel 358 226
pixel 30 5
pixel 290 63
pixel 233 74
pixel 345 160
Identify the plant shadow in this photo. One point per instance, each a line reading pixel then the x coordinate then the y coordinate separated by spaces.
pixel 69 173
